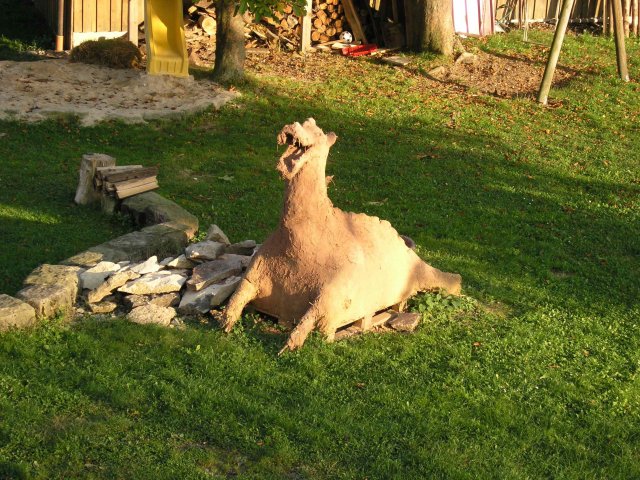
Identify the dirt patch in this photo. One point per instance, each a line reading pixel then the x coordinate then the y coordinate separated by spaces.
pixel 502 76
pixel 33 91
pixel 491 74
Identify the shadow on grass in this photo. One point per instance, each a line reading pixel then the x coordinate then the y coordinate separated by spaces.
pixel 505 225
pixel 23 30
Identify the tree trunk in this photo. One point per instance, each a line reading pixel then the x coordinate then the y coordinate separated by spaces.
pixel 429 25
pixel 230 52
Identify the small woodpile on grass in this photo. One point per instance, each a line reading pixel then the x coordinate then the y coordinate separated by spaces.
pixel 125 181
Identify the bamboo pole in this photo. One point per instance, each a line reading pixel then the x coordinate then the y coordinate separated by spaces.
pixel 554 53
pixel 605 13
pixel 610 18
pixel 621 52
pixel 634 17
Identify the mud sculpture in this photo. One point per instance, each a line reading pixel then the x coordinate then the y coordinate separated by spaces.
pixel 324 268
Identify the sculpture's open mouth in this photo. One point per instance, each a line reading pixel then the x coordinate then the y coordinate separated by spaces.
pixel 298 142
pixel 295 144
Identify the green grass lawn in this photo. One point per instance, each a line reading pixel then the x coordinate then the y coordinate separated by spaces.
pixel 534 375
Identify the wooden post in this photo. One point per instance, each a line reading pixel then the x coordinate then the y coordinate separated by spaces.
pixel 618 30
pixel 132 32
pixel 554 53
pixel 60 27
pixel 305 43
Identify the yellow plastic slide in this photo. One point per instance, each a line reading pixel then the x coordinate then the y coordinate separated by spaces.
pixel 166 45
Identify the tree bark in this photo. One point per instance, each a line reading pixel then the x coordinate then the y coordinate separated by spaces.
pixel 430 25
pixel 230 51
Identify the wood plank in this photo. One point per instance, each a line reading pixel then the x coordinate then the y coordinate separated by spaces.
pixel 354 21
pixel 103 15
pixel 127 184
pixel 77 16
pixel 120 194
pixel 116 15
pixel 89 16
pixel 124 18
pixel 121 176
pixel 132 28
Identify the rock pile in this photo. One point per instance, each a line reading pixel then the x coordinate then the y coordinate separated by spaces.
pixel 153 291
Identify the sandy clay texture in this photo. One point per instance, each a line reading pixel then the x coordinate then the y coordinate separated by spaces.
pixel 34 91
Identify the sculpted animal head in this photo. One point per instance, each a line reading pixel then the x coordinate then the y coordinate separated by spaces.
pixel 306 144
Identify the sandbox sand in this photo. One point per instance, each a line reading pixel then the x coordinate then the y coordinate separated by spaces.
pixel 34 91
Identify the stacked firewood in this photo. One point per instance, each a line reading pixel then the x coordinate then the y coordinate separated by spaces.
pixel 328 21
pixel 281 31
pixel 125 181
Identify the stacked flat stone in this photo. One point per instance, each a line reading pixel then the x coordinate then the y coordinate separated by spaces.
pixel 153 291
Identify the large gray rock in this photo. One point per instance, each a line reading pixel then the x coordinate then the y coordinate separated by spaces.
pixel 216 234
pixel 160 240
pixel 94 276
pixel 207 250
pixel 86 259
pixel 116 280
pixel 55 275
pixel 215 271
pixel 149 208
pixel 47 300
pixel 86 192
pixel 158 282
pixel 202 300
pixel 152 314
pixel 15 313
pixel 165 239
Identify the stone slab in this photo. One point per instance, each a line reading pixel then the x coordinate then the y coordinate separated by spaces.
pixel 150 208
pixel 241 248
pixel 405 322
pixel 117 280
pixel 215 271
pixel 225 290
pixel 55 274
pixel 161 240
pixel 153 283
pixel 15 313
pixel 148 266
pixel 105 306
pixel 207 250
pixel 95 276
pixel 181 262
pixel 171 299
pixel 154 314
pixel 202 300
pixel 47 300
pixel 216 234
pixel 86 259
